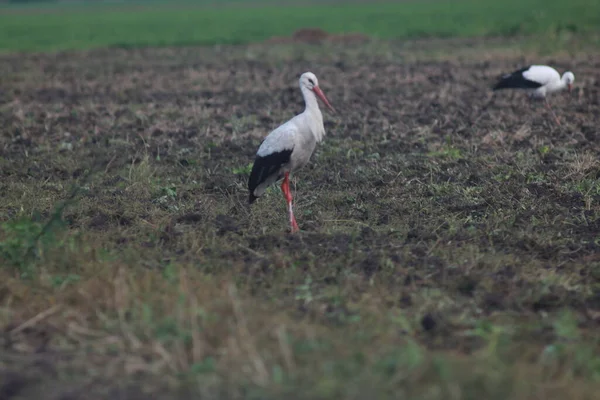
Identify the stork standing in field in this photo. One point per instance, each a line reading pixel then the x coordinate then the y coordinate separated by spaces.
pixel 539 81
pixel 290 146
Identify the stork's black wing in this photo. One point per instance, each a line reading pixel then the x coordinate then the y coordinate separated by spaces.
pixel 264 167
pixel 516 80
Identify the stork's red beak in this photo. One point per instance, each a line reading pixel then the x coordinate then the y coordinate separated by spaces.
pixel 321 95
pixel 570 86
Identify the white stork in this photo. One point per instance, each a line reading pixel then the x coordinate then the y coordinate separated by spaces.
pixel 539 81
pixel 290 146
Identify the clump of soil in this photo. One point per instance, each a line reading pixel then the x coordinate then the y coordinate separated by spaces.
pixel 319 36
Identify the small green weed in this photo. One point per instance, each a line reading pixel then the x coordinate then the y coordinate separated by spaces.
pixel 448 152
pixel 245 170
pixel 24 240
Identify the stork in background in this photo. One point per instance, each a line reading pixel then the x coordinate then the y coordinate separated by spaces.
pixel 539 81
pixel 290 146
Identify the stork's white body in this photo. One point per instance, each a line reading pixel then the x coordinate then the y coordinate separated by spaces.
pixel 546 76
pixel 300 135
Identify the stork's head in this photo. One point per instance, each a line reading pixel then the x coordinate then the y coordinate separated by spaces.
pixel 309 81
pixel 568 78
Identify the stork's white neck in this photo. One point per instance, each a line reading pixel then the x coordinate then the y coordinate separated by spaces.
pixel 558 85
pixel 312 114
pixel 310 99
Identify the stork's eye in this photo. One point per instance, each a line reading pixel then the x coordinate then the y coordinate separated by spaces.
pixel 311 81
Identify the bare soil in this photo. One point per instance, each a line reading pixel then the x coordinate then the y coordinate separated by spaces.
pixel 430 197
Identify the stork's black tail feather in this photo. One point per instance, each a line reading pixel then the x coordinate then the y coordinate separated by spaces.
pixel 504 83
pixel 264 168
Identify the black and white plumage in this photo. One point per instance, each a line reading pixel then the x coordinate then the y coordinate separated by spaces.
pixel 266 170
pixel 538 81
pixel 290 146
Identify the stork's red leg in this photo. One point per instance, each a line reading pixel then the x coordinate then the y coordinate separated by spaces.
pixel 552 111
pixel 285 188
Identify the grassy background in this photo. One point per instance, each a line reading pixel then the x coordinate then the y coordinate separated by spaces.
pixel 81 26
